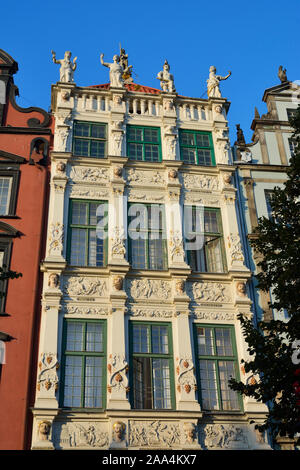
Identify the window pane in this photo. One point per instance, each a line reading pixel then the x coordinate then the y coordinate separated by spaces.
pixel 151 153
pixel 81 147
pixel 205 341
pixel 211 222
pixel 74 336
pixel 73 379
pixel 208 380
pixel 223 342
pixel 79 213
pixel 5 185
pixel 135 151
pixel 141 339
pixel 98 131
pixel 93 382
pixel 78 247
pixel 161 384
pixel 82 129
pixel 96 249
pixel 187 138
pixel 204 157
pixel 214 261
pixel 94 337
pixel 160 340
pixel 229 397
pixel 135 134
pixel 142 387
pixel 188 155
pixel 202 140
pixel 156 252
pixel 138 254
pixel 97 149
pixel 151 135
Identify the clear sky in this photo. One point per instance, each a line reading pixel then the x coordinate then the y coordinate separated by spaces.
pixel 249 38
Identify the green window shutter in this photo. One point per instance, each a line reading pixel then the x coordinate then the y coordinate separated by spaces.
pixel 89 139
pixel 152 370
pixel 87 239
pixel 83 381
pixel 196 147
pixel 144 143
pixel 216 363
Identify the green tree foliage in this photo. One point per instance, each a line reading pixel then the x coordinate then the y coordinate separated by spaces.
pixel 274 363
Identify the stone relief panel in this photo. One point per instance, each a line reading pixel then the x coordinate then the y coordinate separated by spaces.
pixel 88 192
pixel 235 247
pixel 144 178
pixel 80 287
pixel 213 316
pixel 202 182
pixel 225 436
pixel 145 196
pixel 117 373
pixel 82 174
pixel 150 312
pixel 186 380
pixel 209 292
pixel 154 434
pixel 193 197
pixel 85 310
pixel 149 289
pixel 80 435
pixel 47 376
pixel 56 239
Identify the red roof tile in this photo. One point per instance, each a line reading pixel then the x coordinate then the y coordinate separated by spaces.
pixel 131 87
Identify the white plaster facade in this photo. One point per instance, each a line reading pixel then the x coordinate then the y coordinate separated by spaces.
pixel 118 294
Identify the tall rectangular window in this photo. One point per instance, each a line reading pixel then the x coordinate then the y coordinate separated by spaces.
pixel 268 196
pixel 87 240
pixel 84 364
pixel 217 363
pixel 144 143
pixel 196 147
pixel 152 368
pixel 292 146
pixel 5 194
pixel 147 236
pixel 204 239
pixel 291 112
pixel 89 139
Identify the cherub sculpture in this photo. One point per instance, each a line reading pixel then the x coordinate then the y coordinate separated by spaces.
pixel 213 89
pixel 67 68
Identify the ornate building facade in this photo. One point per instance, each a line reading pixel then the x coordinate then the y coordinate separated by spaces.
pixel 144 272
pixel 25 139
pixel 261 165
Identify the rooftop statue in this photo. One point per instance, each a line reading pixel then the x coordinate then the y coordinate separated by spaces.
pixel 282 74
pixel 166 79
pixel 67 68
pixel 213 89
pixel 127 72
pixel 115 71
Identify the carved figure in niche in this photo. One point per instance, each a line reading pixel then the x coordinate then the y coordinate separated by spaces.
pixel 67 68
pixel 118 429
pixel 282 74
pixel 189 430
pixel 118 282
pixel 115 71
pixel 166 79
pixel 241 289
pixel 44 429
pixel 53 280
pixel 213 89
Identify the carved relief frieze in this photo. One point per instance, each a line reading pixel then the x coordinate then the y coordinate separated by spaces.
pixel 80 435
pixel 225 436
pixel 213 316
pixel 88 192
pixel 145 196
pixel 203 182
pixel 150 312
pixel 143 289
pixel 85 287
pixel 81 174
pixel 154 434
pixel 144 178
pixel 209 292
pixel 193 197
pixel 71 309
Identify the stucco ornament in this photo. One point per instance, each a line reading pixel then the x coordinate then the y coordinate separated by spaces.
pixel 166 79
pixel 186 380
pixel 47 377
pixel 213 88
pixel 176 246
pixel 118 249
pixel 117 369
pixel 56 238
pixel 115 71
pixel 235 247
pixel 67 67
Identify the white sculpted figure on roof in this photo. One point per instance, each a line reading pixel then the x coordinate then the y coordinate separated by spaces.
pixel 213 89
pixel 116 71
pixel 166 79
pixel 67 68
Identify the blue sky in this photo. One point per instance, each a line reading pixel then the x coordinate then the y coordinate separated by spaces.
pixel 249 38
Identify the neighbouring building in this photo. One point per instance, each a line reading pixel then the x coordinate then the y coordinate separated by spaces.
pixel 261 165
pixel 25 139
pixel 144 272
